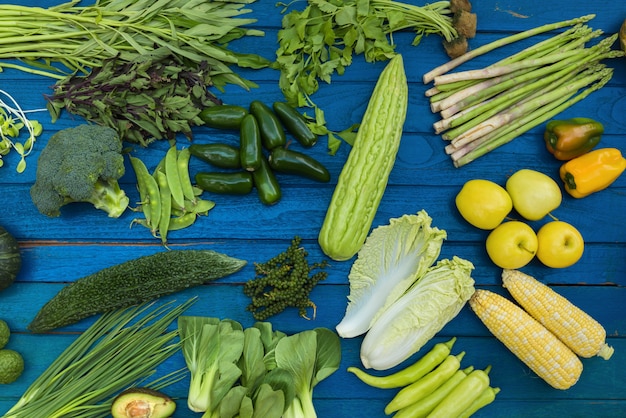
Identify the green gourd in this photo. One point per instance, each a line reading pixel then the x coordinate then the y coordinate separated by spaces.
pixel 364 176
pixel 10 259
pixel 131 283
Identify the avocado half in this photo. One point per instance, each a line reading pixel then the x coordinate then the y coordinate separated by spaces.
pixel 142 403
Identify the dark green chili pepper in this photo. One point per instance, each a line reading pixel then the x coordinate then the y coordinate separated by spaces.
pixel 223 116
pixel 250 150
pixel 216 154
pixel 272 131
pixel 237 183
pixel 266 184
pixel 294 162
pixel 295 123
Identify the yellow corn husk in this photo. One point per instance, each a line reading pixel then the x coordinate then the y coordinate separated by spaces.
pixel 579 331
pixel 525 337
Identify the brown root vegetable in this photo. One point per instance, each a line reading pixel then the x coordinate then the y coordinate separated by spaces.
pixel 457 5
pixel 465 23
pixel 622 36
pixel 456 47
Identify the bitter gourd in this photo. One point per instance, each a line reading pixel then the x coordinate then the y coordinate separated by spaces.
pixel 131 283
pixel 365 174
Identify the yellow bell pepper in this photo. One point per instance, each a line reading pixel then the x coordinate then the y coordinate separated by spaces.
pixel 592 172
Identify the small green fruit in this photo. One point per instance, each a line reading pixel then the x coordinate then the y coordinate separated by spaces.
pixel 11 366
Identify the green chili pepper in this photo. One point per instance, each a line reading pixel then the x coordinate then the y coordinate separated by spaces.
pixel 485 398
pixel 294 162
pixel 223 116
pixel 295 123
pixel 250 151
pixel 463 395
pixel 272 131
pixel 426 385
pixel 216 154
pixel 266 184
pixel 424 406
pixel 411 373
pixel 567 139
pixel 237 183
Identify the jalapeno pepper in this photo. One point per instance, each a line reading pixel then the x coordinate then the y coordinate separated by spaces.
pixel 219 155
pixel 294 162
pixel 272 131
pixel 592 172
pixel 567 139
pixel 223 116
pixel 250 143
pixel 237 183
pixel 266 184
pixel 295 123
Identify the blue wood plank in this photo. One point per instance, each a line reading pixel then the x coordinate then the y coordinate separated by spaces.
pixel 83 240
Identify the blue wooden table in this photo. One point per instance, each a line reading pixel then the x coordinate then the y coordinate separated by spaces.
pixel 83 240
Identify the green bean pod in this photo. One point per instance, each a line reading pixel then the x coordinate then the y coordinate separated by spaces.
pixel 251 152
pixel 218 155
pixel 463 395
pixel 295 123
pixel 411 373
pixel 294 162
pixel 266 184
pixel 223 116
pixel 423 387
pixel 272 131
pixel 485 398
pixel 424 406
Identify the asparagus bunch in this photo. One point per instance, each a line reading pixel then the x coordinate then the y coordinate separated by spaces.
pixel 485 108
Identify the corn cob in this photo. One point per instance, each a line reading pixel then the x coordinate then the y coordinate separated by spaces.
pixel 525 337
pixel 579 331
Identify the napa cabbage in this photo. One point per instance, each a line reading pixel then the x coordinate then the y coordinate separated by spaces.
pixel 404 327
pixel 392 258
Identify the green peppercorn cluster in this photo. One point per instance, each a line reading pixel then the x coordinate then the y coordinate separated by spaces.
pixel 286 280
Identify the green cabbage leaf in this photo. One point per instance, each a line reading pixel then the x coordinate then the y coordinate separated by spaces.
pixel 433 301
pixel 392 258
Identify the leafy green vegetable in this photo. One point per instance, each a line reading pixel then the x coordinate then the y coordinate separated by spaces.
pixel 393 257
pixel 310 356
pixel 404 327
pixel 211 348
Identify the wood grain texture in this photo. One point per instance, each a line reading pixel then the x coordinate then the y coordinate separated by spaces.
pixel 82 240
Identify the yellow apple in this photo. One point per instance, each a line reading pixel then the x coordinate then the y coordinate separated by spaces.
pixel 512 245
pixel 483 203
pixel 534 194
pixel 560 244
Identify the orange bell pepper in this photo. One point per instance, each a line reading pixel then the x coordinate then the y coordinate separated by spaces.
pixel 592 172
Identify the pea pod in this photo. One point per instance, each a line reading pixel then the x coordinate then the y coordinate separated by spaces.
pixel 424 406
pixel 485 398
pixel 294 162
pixel 182 221
pixel 182 163
pixel 295 123
pixel 411 373
pixel 272 131
pixel 266 184
pixel 149 194
pixel 426 385
pixel 223 116
pixel 250 150
pixel 173 176
pixel 237 183
pixel 216 154
pixel 166 205
pixel 463 395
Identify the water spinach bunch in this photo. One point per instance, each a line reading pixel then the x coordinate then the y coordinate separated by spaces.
pixel 485 108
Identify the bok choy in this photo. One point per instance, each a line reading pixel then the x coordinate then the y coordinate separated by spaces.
pixel 433 301
pixel 393 257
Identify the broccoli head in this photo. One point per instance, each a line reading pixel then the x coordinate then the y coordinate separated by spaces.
pixel 81 164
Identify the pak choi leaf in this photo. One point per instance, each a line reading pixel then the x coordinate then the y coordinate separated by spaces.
pixel 404 327
pixel 393 257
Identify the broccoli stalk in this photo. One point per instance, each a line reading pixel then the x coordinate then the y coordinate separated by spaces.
pixel 81 164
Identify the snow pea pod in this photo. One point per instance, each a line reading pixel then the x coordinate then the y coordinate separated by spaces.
pixel 426 385
pixel 409 374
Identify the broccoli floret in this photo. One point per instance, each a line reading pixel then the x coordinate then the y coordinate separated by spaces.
pixel 81 164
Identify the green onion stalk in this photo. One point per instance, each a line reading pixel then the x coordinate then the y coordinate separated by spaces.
pixel 482 109
pixel 68 38
pixel 121 349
